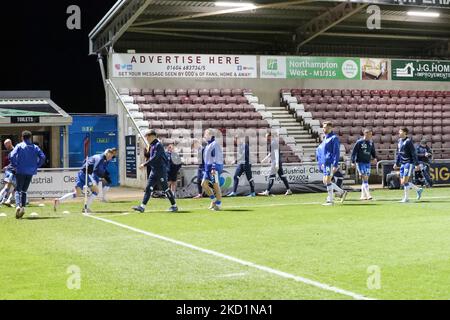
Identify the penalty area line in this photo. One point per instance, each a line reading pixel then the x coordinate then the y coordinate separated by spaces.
pixel 276 272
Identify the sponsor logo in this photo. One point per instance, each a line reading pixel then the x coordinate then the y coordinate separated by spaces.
pixel 406 72
pixel 272 64
pixel 349 69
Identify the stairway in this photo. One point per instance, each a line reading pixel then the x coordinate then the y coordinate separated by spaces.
pixel 302 137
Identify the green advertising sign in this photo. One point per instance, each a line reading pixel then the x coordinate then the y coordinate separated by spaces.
pixel 420 70
pixel 323 68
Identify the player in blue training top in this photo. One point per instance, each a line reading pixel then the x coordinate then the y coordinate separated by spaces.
pixel 96 169
pixel 159 163
pixel 243 166
pixel 407 162
pixel 327 155
pixel 26 158
pixel 213 159
pixel 362 155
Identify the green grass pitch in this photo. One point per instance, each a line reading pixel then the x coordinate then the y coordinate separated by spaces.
pixel 380 249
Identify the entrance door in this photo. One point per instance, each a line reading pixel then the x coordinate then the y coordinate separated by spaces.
pixel 42 140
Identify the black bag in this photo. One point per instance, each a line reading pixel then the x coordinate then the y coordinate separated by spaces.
pixel 393 181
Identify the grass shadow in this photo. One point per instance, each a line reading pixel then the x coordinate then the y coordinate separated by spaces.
pixel 112 211
pixel 41 218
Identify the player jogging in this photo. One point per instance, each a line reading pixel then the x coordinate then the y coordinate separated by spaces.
pixel 96 170
pixel 362 155
pixel 26 158
pixel 158 163
pixel 213 158
pixel 243 166
pixel 407 162
pixel 276 165
pixel 327 155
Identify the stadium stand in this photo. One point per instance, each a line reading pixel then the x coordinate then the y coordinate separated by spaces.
pixel 171 110
pixel 425 113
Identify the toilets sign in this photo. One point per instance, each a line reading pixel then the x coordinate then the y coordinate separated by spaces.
pixel 420 70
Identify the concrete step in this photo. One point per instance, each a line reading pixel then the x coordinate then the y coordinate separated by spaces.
pixel 301 136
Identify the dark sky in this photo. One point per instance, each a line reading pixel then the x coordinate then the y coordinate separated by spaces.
pixel 38 52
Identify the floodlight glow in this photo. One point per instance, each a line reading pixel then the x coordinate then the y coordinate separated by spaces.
pixel 235 4
pixel 423 14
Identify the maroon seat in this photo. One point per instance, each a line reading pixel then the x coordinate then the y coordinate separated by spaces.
pixel 225 92
pixel 192 92
pixel 135 92
pixel 393 93
pixel 237 92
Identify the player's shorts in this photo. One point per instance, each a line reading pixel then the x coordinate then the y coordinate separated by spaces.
pixel 172 175
pixel 327 170
pixel 207 175
pixel 10 177
pixel 242 168
pixel 406 170
pixel 274 171
pixel 81 180
pixel 363 168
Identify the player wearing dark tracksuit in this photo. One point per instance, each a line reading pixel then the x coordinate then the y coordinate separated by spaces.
pixel 201 168
pixel 407 162
pixel 159 164
pixel 243 166
pixel 424 154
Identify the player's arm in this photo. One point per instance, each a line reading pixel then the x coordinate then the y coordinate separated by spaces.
pixel 414 155
pixel 41 157
pixel 336 153
pixel 277 156
pixel 374 153
pixel 355 152
pixel 156 157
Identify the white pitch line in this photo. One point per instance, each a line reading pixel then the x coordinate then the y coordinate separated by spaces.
pixel 239 261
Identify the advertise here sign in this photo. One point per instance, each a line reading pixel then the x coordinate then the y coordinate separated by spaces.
pixel 310 68
pixel 420 70
pixel 184 66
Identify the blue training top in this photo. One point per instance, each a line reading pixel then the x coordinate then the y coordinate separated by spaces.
pixel 26 158
pixel 328 152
